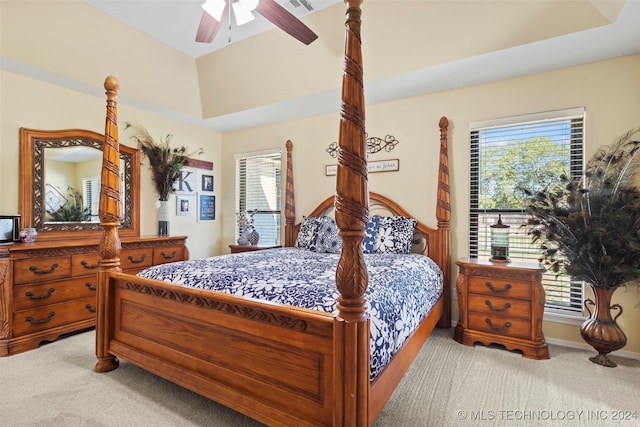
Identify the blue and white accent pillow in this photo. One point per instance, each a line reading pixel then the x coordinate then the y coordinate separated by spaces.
pixel 326 237
pixel 395 234
pixel 307 232
pixel 370 234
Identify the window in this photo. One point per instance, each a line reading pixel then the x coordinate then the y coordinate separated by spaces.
pixel 531 152
pixel 258 182
pixel 91 196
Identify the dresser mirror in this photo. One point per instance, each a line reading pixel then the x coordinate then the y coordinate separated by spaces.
pixel 60 183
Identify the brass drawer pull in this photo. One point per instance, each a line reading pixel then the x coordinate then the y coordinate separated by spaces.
pixel 165 256
pixel 90 286
pixel 506 307
pixel 37 271
pixel 90 308
pixel 506 326
pixel 137 261
pixel 89 267
pixel 47 295
pixel 505 289
pixel 41 321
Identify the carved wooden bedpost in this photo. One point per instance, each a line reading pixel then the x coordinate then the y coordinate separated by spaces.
pixel 109 211
pixel 351 212
pixel 289 202
pixel 443 215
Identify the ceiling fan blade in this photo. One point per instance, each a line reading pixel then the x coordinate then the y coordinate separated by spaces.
pixel 209 26
pixel 285 20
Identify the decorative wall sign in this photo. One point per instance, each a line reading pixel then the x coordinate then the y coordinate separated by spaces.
pixel 200 164
pixel 187 183
pixel 374 145
pixel 206 207
pixel 375 166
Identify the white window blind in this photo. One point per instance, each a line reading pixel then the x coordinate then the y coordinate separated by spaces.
pixel 523 152
pixel 258 182
pixel 91 195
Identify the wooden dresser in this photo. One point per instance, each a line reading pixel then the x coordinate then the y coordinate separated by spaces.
pixel 501 303
pixel 48 288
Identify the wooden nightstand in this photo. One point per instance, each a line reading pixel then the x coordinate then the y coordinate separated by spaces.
pixel 501 303
pixel 249 248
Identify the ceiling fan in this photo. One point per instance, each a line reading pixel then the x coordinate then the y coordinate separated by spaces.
pixel 216 11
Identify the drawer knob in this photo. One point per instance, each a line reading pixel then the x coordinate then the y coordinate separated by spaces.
pixel 47 295
pixel 90 286
pixel 86 265
pixel 494 289
pixel 137 261
pixel 90 308
pixel 36 270
pixel 41 321
pixel 166 256
pixel 506 307
pixel 506 326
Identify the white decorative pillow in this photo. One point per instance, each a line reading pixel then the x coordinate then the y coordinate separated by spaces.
pixel 395 234
pixel 326 237
pixel 307 232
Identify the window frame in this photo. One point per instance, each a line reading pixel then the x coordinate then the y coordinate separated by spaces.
pixel 241 195
pixel 573 312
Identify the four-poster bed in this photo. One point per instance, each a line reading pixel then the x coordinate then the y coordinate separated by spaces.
pixel 277 363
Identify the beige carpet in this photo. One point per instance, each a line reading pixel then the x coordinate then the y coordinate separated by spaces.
pixel 448 385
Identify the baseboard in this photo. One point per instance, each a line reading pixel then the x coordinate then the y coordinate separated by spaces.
pixel 581 346
pixel 584 346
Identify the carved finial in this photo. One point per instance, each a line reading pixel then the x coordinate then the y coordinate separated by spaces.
pixel 444 122
pixel 111 84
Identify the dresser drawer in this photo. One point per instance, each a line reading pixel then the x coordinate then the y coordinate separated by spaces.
pixel 83 265
pixel 499 287
pixel 40 270
pixel 500 306
pixel 509 326
pixel 53 292
pixel 136 258
pixel 166 254
pixel 50 316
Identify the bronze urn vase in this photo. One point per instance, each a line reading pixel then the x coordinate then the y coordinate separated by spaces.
pixel 600 330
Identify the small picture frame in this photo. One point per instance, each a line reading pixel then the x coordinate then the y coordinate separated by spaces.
pixel 207 182
pixel 9 228
pixel 206 207
pixel 185 205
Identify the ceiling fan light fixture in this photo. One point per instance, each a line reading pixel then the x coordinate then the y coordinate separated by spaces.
pixel 215 8
pixel 242 15
pixel 250 5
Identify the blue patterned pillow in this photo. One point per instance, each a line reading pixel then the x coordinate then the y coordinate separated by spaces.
pixel 370 234
pixel 307 232
pixel 326 237
pixel 395 234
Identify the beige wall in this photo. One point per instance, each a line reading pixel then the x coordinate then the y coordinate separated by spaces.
pixel 30 103
pixel 609 90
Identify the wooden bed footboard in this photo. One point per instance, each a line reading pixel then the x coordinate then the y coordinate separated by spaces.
pixel 273 363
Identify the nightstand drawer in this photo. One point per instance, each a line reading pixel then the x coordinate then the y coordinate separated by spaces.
pixel 499 287
pixel 41 269
pixel 508 326
pixel 500 306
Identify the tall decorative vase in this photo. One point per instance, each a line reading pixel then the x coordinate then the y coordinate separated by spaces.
pixel 244 237
pixel 600 330
pixel 163 218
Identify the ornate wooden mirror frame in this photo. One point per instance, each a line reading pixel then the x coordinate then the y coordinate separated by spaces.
pixel 32 185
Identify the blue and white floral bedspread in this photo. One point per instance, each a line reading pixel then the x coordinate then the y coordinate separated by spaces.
pixel 402 288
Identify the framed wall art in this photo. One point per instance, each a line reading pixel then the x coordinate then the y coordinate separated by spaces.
pixel 206 207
